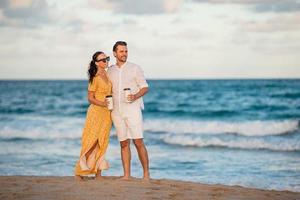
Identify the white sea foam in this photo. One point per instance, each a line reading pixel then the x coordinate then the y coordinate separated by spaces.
pixel 32 127
pixel 53 127
pixel 245 128
pixel 39 133
pixel 245 143
pixel 42 133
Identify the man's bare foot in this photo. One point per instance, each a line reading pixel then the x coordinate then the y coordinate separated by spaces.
pixel 78 178
pixel 126 178
pixel 146 177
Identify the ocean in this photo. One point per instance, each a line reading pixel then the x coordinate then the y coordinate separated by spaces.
pixel 232 132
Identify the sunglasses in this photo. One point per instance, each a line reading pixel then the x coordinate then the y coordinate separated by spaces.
pixel 104 59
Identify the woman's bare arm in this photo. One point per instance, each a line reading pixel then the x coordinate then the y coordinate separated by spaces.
pixel 93 100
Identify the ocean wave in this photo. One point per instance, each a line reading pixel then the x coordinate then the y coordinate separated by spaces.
pixel 37 127
pixel 181 111
pixel 244 128
pixel 42 128
pixel 288 95
pixel 13 110
pixel 249 144
pixel 270 108
pixel 10 134
pixel 67 127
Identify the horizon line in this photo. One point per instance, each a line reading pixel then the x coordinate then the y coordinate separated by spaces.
pixel 154 79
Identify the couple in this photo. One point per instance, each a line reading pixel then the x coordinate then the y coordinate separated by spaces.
pixel 127 117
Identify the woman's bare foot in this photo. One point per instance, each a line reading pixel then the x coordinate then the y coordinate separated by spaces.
pixel 98 177
pixel 78 178
pixel 126 178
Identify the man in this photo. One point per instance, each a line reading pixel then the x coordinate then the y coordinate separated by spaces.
pixel 127 117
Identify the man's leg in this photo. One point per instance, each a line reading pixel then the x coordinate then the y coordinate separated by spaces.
pixel 143 156
pixel 126 157
pixel 121 129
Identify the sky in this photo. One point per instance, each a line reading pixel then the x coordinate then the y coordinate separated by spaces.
pixel 169 39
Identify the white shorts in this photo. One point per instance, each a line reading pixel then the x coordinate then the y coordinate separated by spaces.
pixel 128 125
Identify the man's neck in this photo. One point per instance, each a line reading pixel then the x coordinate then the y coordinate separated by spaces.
pixel 120 64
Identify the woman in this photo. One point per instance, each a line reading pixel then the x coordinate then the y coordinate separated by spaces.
pixel 95 136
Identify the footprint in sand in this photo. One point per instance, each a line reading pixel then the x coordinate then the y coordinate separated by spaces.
pixel 173 195
pixel 155 188
pixel 157 182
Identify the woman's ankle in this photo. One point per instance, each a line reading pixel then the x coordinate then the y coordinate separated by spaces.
pixel 98 174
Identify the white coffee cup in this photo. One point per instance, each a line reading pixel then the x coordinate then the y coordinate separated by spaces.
pixel 127 92
pixel 110 105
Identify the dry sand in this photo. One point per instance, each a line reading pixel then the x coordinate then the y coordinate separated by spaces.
pixel 44 188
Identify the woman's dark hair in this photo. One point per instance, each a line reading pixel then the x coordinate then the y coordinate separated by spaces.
pixel 92 67
pixel 121 43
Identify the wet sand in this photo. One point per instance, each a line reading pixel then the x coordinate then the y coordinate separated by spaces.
pixel 36 187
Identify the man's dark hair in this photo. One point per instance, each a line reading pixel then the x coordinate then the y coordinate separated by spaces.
pixel 121 43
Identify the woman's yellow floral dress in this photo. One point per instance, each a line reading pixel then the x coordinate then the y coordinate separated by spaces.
pixel 96 131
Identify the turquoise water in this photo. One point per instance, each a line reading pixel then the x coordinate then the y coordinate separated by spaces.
pixel 233 132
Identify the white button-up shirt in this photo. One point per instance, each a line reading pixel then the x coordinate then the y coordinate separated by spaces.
pixel 131 76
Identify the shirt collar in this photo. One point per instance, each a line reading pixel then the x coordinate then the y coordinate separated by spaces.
pixel 122 66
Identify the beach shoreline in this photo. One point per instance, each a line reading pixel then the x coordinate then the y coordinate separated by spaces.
pixel 54 187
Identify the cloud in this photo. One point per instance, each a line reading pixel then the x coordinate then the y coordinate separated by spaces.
pixel 4 3
pixel 281 23
pixel 279 6
pixel 140 7
pixel 26 13
pixel 262 5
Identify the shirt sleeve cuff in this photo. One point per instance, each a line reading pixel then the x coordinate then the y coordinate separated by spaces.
pixel 144 85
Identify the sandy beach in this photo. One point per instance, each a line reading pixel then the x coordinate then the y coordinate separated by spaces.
pixel 34 187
